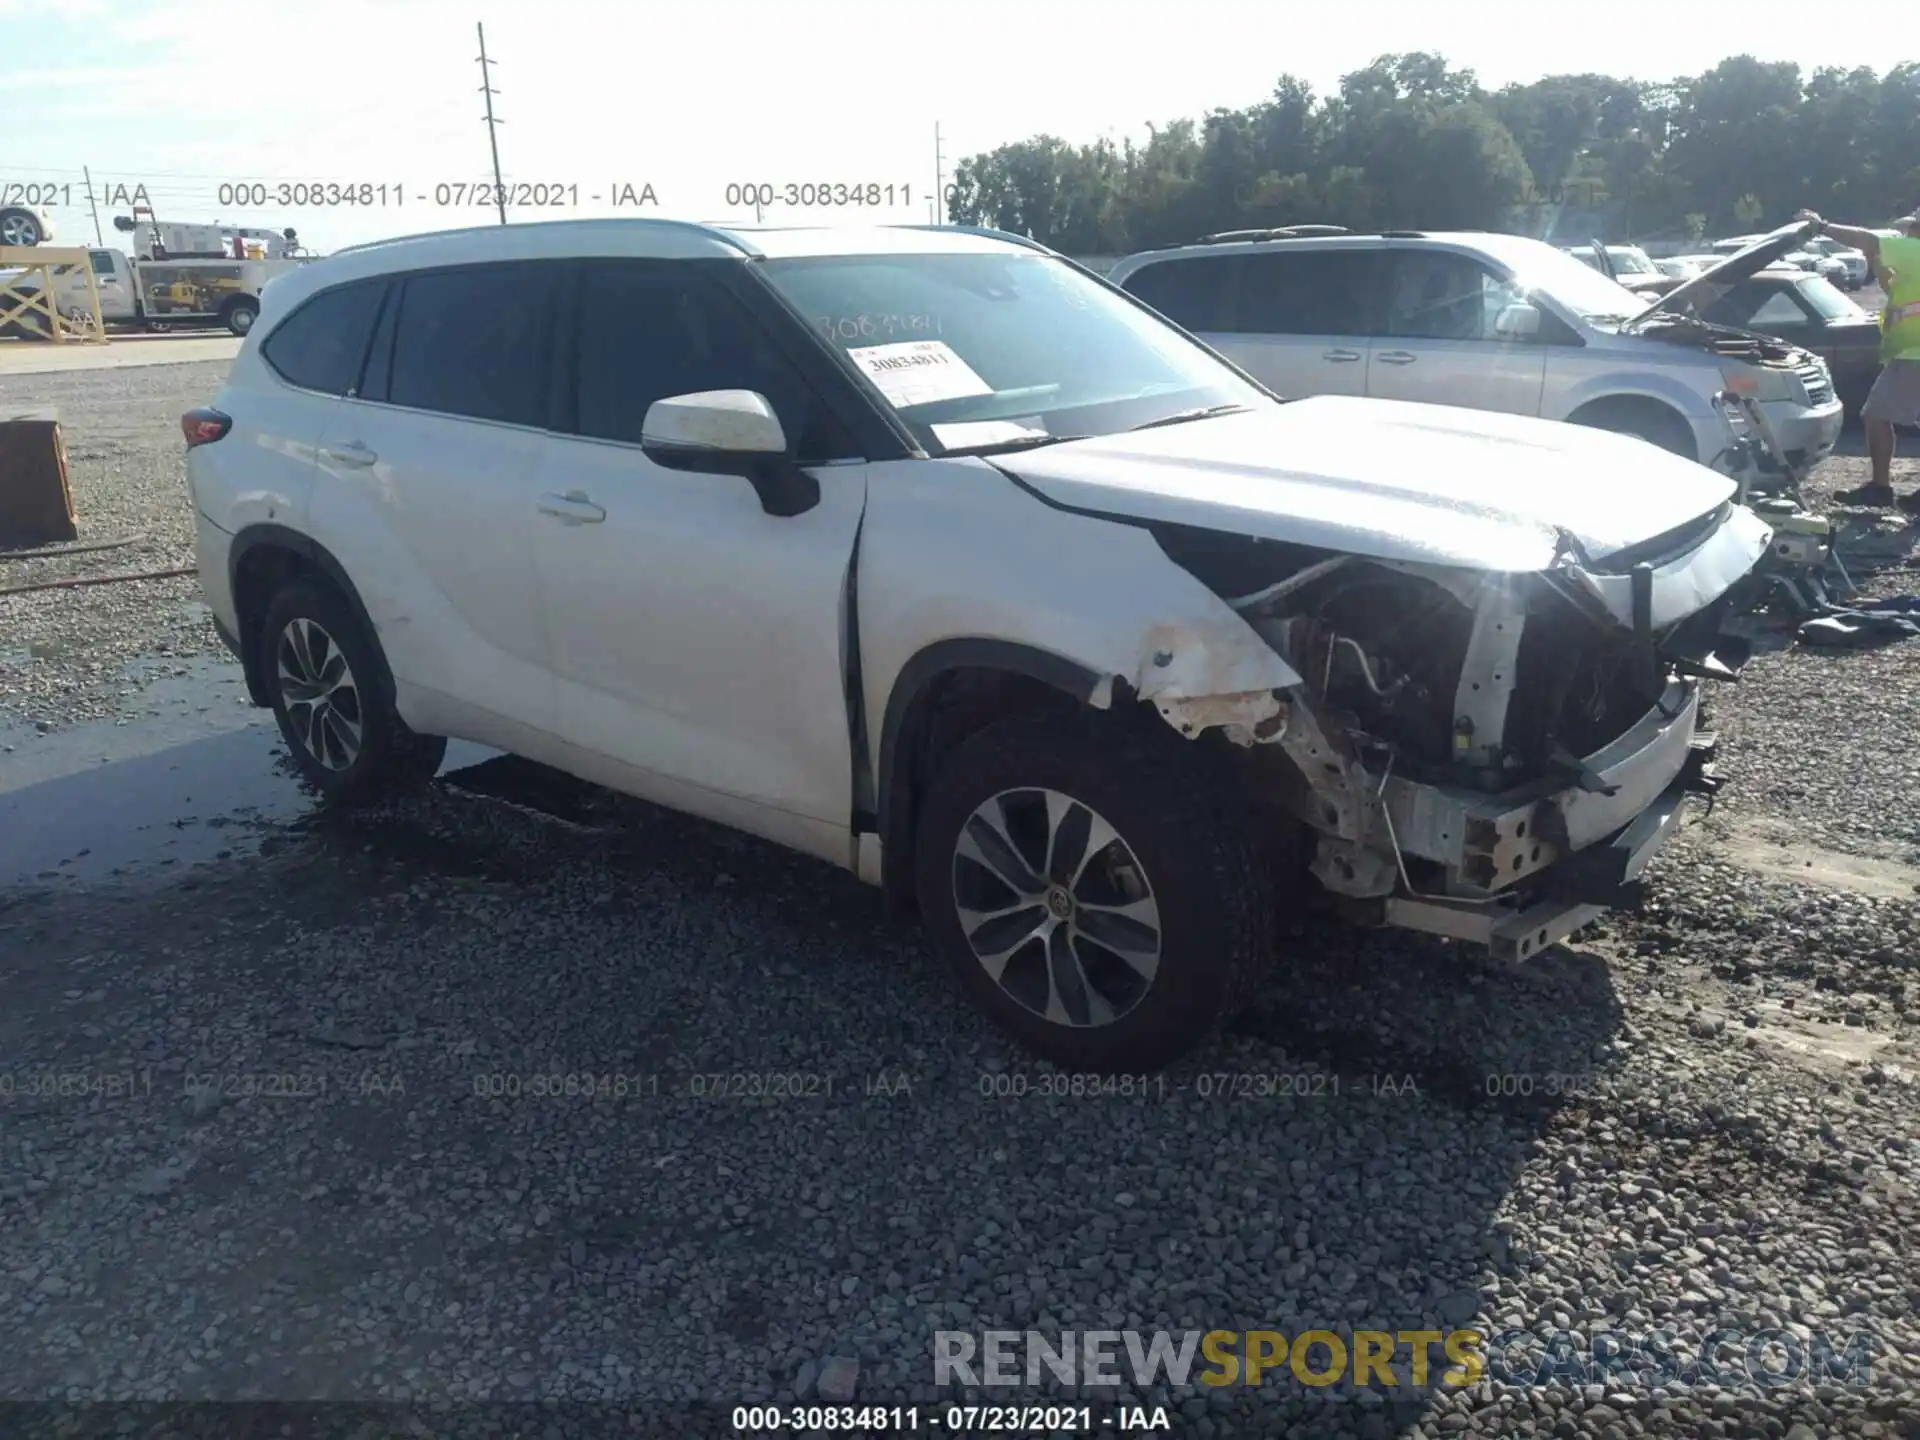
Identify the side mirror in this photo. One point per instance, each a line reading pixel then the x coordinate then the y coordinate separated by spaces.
pixel 729 432
pixel 1517 322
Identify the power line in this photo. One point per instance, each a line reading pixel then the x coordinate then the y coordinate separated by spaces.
pixel 493 143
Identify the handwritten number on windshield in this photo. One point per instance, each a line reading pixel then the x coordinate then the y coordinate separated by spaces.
pixel 878 328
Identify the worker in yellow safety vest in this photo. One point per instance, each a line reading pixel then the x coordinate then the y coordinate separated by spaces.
pixel 1894 256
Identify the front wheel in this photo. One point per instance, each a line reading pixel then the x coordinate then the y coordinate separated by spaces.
pixel 333 698
pixel 1098 892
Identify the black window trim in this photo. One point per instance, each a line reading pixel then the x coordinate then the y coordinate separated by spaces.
pixel 389 306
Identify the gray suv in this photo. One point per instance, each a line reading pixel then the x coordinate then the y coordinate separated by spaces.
pixel 1489 322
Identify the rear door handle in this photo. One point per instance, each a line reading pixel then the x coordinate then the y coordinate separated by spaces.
pixel 572 508
pixel 1340 357
pixel 352 453
pixel 1396 357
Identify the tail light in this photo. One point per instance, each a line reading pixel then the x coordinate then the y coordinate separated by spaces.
pixel 203 427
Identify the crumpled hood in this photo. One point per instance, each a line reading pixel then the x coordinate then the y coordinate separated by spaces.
pixel 1388 479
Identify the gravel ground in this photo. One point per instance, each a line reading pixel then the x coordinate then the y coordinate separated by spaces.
pixel 1701 1118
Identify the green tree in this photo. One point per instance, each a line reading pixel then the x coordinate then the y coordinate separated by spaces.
pixel 1409 140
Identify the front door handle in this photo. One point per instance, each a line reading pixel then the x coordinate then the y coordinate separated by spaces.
pixel 572 508
pixel 1396 357
pixel 1340 357
pixel 352 453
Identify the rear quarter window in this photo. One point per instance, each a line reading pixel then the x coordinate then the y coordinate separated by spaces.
pixel 321 345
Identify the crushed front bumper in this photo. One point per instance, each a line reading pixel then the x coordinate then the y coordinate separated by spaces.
pixel 1527 869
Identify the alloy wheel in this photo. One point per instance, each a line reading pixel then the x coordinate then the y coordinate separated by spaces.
pixel 320 693
pixel 1056 907
pixel 19 230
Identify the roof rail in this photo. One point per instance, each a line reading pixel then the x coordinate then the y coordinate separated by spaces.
pixel 714 232
pixel 1283 232
pixel 1417 234
pixel 986 231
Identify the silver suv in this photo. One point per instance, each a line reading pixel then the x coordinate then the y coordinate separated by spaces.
pixel 1490 322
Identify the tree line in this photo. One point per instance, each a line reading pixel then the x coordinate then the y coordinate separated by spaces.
pixel 1409 142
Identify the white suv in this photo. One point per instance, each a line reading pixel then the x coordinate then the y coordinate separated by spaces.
pixel 934 556
pixel 1492 322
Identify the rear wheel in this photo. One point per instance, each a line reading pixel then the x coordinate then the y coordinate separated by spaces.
pixel 333 696
pixel 1098 892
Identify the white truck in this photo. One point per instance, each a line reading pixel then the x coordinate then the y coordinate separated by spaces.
pixel 190 274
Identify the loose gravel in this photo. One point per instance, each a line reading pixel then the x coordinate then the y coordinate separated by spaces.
pixel 1701 1118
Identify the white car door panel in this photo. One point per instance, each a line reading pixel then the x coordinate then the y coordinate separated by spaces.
pixel 696 636
pixel 440 465
pixel 1437 340
pixel 450 501
pixel 1299 365
pixel 697 642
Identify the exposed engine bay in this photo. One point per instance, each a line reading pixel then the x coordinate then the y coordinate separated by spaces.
pixel 1457 733
pixel 1685 328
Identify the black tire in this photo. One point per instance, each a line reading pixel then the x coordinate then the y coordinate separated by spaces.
pixel 1192 837
pixel 1649 420
pixel 240 313
pixel 388 756
pixel 20 226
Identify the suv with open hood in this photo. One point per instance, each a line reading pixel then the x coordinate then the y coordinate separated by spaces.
pixel 1490 322
pixel 932 555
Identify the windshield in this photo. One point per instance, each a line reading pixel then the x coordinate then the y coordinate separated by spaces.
pixel 1828 302
pixel 1578 287
pixel 1628 261
pixel 996 350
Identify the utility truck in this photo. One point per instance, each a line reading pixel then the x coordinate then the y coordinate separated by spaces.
pixel 181 274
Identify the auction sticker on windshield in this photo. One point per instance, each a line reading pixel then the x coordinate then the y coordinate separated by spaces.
pixel 919 372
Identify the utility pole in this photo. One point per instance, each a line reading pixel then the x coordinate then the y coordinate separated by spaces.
pixel 493 141
pixel 939 179
pixel 98 239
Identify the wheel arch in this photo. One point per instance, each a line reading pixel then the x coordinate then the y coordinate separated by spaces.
pixel 261 559
pixel 1027 674
pixel 1658 410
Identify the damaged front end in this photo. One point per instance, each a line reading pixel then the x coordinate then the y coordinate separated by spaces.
pixel 1493 757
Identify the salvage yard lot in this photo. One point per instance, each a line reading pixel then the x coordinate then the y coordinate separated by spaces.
pixel 377 1199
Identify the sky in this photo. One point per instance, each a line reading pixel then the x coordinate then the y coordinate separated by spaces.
pixel 610 100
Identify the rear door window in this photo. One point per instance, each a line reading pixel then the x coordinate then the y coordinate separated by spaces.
pixel 1193 293
pixel 1302 292
pixel 321 344
pixel 473 342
